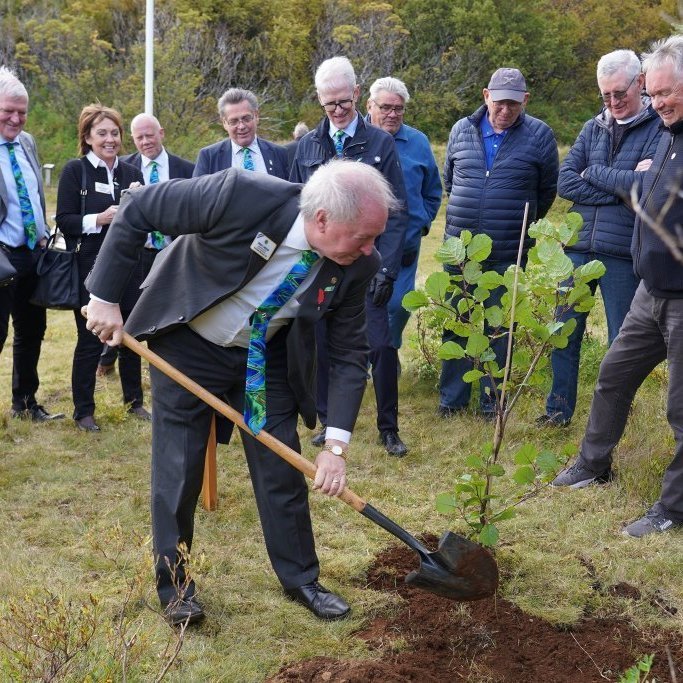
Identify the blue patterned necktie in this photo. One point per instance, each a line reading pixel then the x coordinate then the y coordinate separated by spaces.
pixel 255 389
pixel 339 143
pixel 247 161
pixel 158 240
pixel 27 216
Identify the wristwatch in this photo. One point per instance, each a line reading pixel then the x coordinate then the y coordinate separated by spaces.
pixel 336 449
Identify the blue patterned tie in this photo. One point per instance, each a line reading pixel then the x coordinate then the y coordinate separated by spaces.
pixel 255 389
pixel 158 240
pixel 247 161
pixel 27 217
pixel 339 143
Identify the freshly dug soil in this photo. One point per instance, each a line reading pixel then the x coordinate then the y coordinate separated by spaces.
pixel 489 641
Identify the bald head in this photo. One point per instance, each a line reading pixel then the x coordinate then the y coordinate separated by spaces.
pixel 148 135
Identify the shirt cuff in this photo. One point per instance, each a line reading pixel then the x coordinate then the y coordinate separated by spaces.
pixel 102 301
pixel 89 224
pixel 337 434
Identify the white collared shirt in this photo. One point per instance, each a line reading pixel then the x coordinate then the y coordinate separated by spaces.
pixel 256 156
pixel 227 323
pixel 90 226
pixel 12 228
pixel 162 166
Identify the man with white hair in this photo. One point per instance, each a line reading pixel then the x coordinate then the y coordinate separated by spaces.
pixel 23 234
pixel 653 328
pixel 343 134
pixel 214 309
pixel 386 106
pixel 609 157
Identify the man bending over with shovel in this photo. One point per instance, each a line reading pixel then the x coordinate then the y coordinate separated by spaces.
pixel 258 261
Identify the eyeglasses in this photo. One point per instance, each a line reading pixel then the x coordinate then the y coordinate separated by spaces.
pixel 246 120
pixel 386 108
pixel 617 95
pixel 10 112
pixel 331 107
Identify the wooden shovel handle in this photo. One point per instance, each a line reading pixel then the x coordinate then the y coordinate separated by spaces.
pixel 295 459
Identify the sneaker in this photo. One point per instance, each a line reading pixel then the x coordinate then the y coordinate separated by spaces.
pixel 554 420
pixel 652 522
pixel 578 476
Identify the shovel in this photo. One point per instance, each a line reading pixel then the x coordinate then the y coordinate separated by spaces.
pixel 460 569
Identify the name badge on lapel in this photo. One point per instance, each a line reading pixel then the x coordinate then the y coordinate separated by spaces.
pixel 263 246
pixel 104 188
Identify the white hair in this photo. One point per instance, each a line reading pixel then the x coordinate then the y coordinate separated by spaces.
pixel 343 188
pixel 10 85
pixel 665 51
pixel 617 61
pixel 392 85
pixel 333 73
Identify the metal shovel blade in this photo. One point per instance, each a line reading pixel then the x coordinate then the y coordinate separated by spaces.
pixel 459 569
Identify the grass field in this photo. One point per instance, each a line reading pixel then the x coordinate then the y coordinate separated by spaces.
pixel 76 523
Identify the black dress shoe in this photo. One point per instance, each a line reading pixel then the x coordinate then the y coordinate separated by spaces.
pixel 319 439
pixel 188 611
pixel 323 603
pixel 140 413
pixel 392 442
pixel 37 413
pixel 87 424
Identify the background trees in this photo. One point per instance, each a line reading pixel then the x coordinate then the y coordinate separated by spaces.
pixel 71 52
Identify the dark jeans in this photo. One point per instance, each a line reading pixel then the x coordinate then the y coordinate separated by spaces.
pixel 652 332
pixel 617 286
pixel 453 392
pixel 180 429
pixel 28 322
pixel 383 360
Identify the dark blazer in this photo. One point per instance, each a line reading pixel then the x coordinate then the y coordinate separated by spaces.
pixel 218 216
pixel 372 146
pixel 70 219
pixel 177 166
pixel 218 157
pixel 28 144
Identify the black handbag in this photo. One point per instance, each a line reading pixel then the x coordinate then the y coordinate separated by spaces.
pixel 7 271
pixel 58 286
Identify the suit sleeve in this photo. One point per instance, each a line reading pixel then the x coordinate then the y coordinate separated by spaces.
pixel 390 242
pixel 348 350
pixel 202 165
pixel 69 219
pixel 177 207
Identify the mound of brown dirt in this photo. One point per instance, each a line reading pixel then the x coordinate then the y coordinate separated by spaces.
pixel 490 641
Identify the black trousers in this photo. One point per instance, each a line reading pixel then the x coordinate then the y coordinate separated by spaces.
pixel 28 321
pixel 89 348
pixel 383 360
pixel 180 429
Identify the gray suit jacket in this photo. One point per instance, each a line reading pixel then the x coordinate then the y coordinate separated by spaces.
pixel 216 218
pixel 218 157
pixel 28 144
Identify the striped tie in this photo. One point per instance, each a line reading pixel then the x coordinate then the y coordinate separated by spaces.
pixel 158 240
pixel 27 216
pixel 339 143
pixel 255 390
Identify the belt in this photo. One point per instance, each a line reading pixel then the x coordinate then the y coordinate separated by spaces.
pixel 8 248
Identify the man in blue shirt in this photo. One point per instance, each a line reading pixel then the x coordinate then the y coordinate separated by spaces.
pixel 23 234
pixel 386 106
